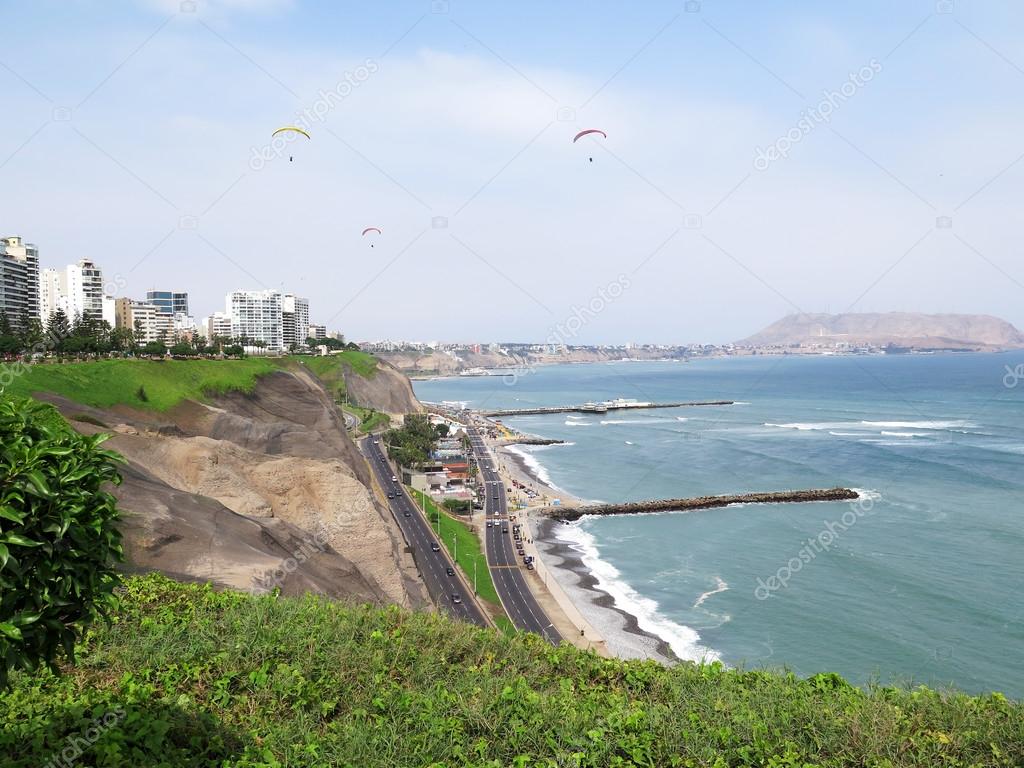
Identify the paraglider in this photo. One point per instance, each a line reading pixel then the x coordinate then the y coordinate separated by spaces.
pixel 587 132
pixel 290 129
pixel 371 229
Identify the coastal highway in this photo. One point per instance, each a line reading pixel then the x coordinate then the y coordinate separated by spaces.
pixel 419 536
pixel 505 566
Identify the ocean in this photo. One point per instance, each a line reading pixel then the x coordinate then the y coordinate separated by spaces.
pixel 920 582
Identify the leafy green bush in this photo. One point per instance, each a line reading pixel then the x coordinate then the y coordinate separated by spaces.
pixel 58 542
pixel 191 676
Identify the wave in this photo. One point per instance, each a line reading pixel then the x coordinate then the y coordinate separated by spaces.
pixel 933 425
pixel 684 641
pixel 681 418
pixel 846 434
pixel 629 442
pixel 578 423
pixel 904 434
pixel 532 464
pixel 720 586
pixel 630 421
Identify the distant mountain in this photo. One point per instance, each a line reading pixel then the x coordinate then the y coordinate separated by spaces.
pixel 900 329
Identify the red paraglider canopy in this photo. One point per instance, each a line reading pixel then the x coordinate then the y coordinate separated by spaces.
pixel 581 134
pixel 372 229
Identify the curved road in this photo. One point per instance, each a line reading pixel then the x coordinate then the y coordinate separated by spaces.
pixel 419 536
pixel 505 565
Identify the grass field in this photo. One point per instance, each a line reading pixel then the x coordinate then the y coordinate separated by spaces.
pixel 468 547
pixel 164 384
pixel 189 676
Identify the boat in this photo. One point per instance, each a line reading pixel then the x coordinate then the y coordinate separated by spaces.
pixel 475 372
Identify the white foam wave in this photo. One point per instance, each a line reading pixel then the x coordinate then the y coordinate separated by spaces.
pixel 684 641
pixel 917 424
pixel 846 434
pixel 904 434
pixel 720 586
pixel 629 442
pixel 531 462
pixel 629 421
pixel 681 418
pixel 578 423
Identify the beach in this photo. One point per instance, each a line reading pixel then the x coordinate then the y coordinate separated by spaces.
pixel 562 558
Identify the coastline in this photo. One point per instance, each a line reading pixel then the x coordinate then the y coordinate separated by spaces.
pixel 619 629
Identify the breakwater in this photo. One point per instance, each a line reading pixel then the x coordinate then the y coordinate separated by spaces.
pixel 701 502
pixel 596 408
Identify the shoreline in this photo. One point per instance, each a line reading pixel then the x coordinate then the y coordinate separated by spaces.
pixel 627 640
pixel 619 629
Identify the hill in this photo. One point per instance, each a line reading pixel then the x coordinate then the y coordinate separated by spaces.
pixel 900 329
pixel 188 676
pixel 236 466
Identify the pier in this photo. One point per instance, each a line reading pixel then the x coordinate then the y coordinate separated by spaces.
pixel 702 502
pixel 612 405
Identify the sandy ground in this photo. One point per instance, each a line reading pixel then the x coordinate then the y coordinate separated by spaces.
pixel 563 579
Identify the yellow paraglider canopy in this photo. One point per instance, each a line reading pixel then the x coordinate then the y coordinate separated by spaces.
pixel 295 128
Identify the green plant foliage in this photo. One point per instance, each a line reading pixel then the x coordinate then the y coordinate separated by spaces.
pixel 58 543
pixel 190 676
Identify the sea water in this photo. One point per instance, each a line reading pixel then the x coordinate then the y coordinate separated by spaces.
pixel 918 582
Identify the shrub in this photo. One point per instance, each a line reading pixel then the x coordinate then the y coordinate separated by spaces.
pixel 58 543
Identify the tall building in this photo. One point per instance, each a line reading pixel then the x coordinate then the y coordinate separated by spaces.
pixel 257 316
pixel 318 332
pixel 294 320
pixel 168 302
pixel 81 285
pixel 216 325
pixel 140 317
pixel 19 281
pixel 77 289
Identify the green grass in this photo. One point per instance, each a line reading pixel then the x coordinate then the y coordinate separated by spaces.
pixel 104 383
pixel 506 626
pixel 330 367
pixel 369 420
pixel 469 547
pixel 188 676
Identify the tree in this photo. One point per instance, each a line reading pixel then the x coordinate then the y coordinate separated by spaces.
pixel 58 329
pixel 183 349
pixel 5 325
pixel 199 342
pixel 58 539
pixel 155 348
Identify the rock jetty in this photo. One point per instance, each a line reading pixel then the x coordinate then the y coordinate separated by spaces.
pixel 702 502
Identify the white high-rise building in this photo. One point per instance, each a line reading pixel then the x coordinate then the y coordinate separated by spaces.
pixel 19 280
pixel 77 289
pixel 294 320
pixel 141 318
pixel 257 316
pixel 216 325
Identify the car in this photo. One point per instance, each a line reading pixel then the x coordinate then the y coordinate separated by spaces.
pixel 489 523
pixel 529 566
pixel 450 571
pixel 456 599
pixel 407 513
pixel 434 547
pixel 391 495
pixel 504 529
pixel 394 479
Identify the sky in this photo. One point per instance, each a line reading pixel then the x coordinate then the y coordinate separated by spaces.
pixel 761 159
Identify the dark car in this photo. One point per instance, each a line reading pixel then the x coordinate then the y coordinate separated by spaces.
pixel 450 571
pixel 456 599
pixel 407 513
pixel 434 547
pixel 504 530
pixel 391 495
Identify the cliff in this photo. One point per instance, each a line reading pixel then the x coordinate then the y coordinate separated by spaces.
pixel 901 329
pixel 232 487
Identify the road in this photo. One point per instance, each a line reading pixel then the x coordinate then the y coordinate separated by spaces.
pixel 506 567
pixel 419 536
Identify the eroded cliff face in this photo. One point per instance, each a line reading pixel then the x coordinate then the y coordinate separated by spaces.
pixel 234 490
pixel 388 391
